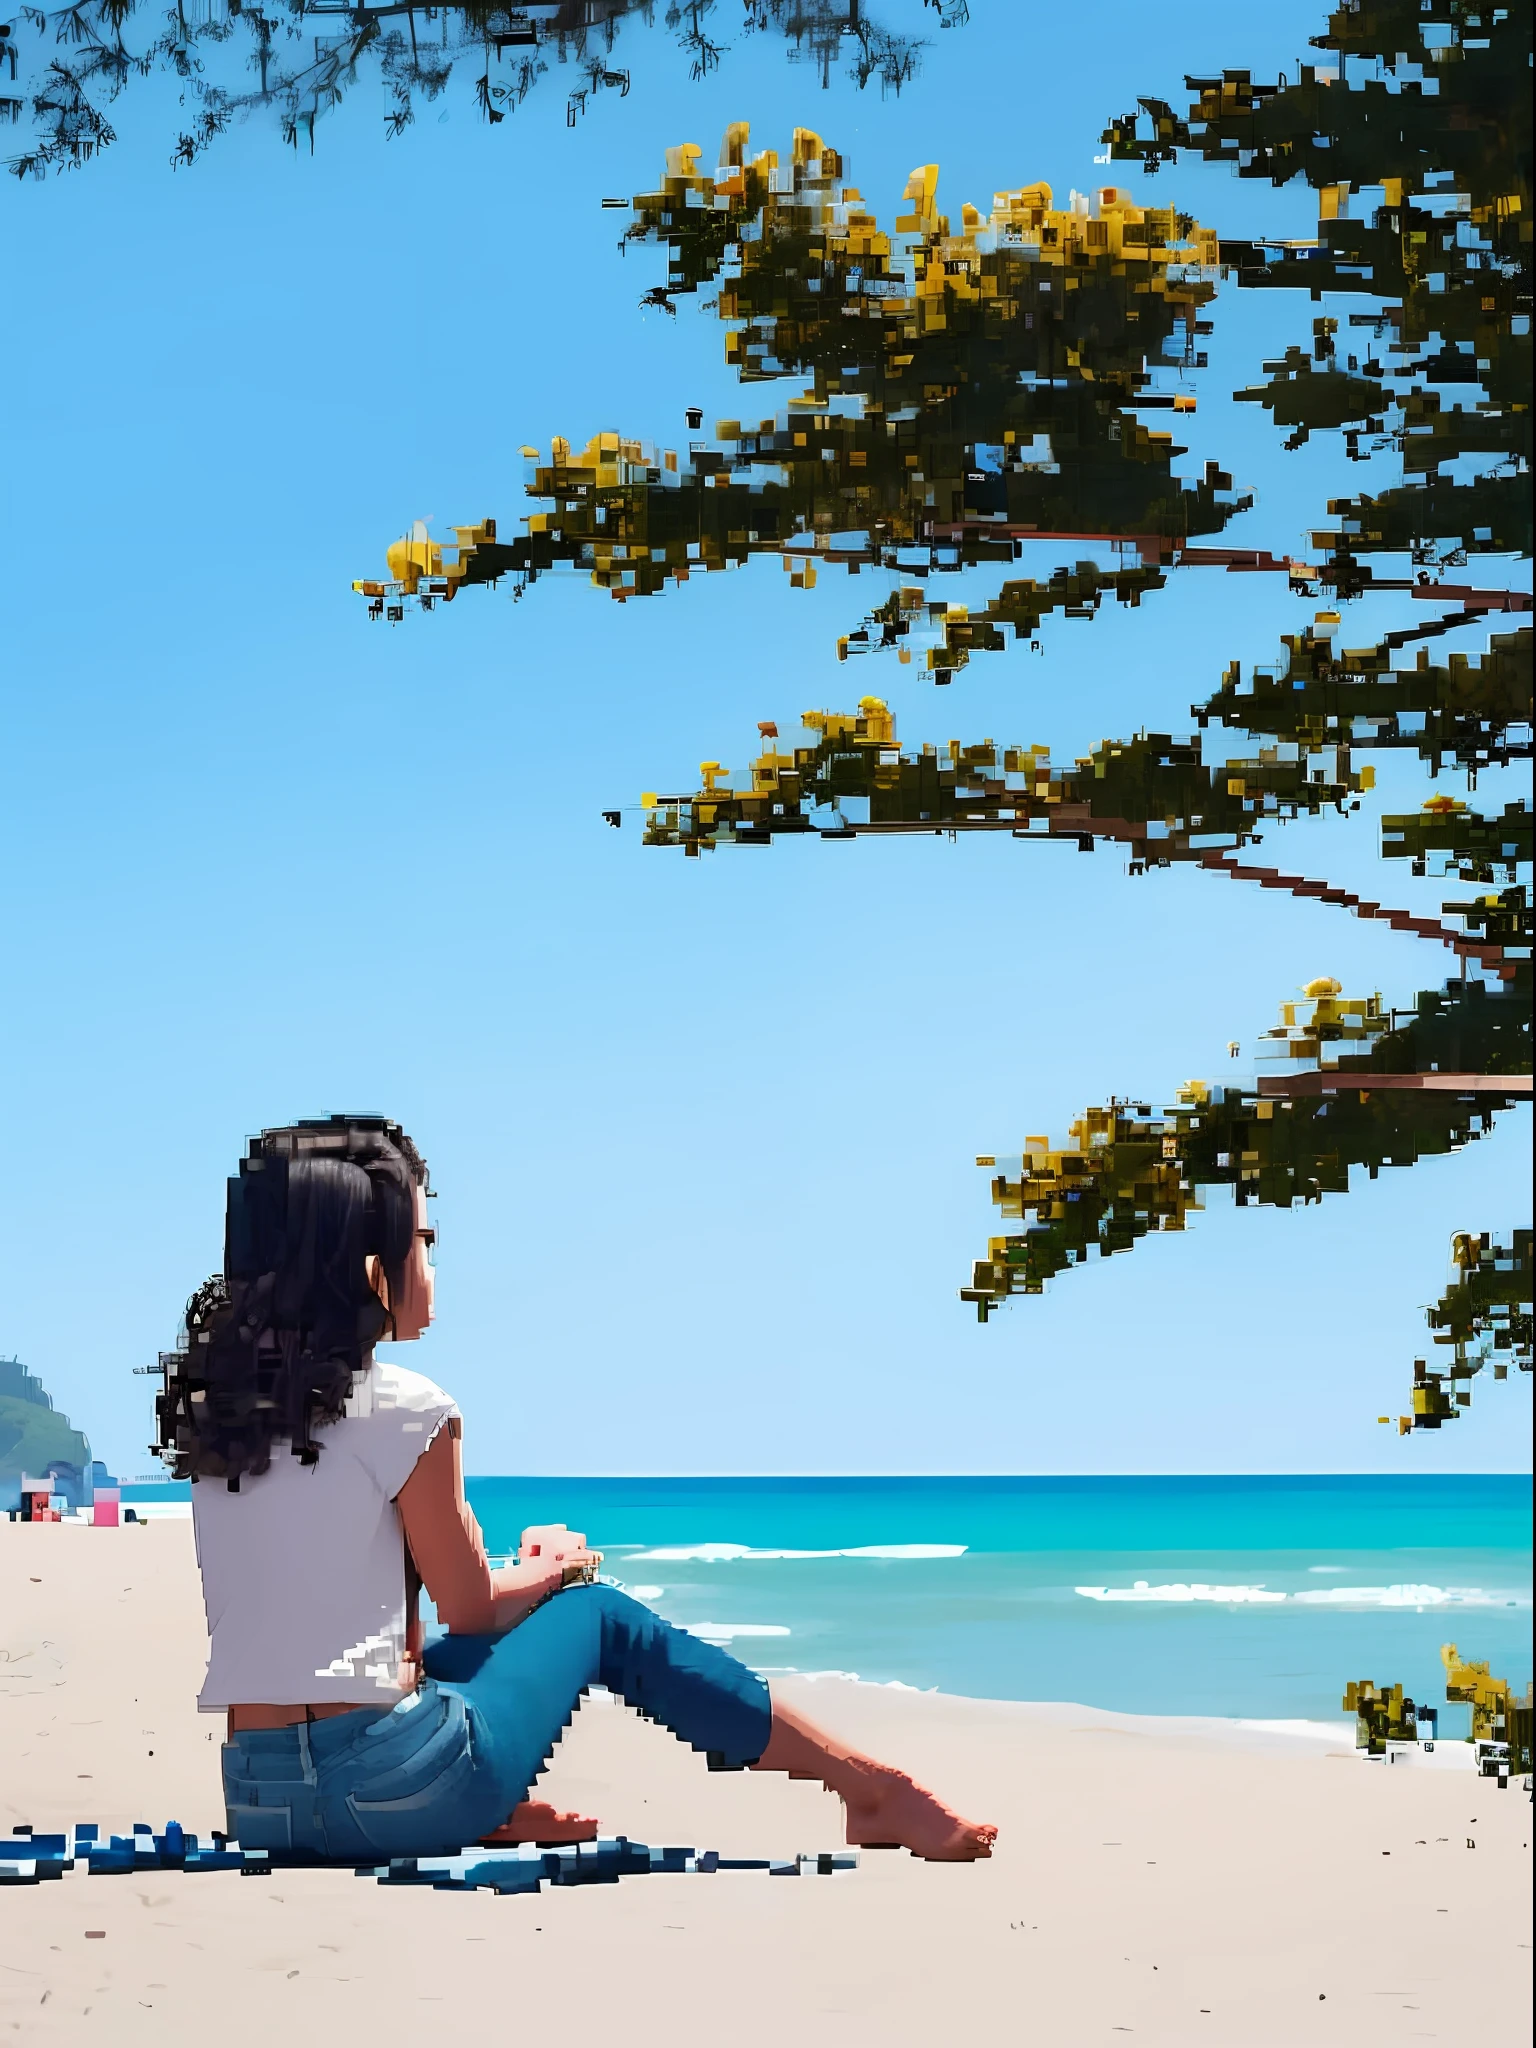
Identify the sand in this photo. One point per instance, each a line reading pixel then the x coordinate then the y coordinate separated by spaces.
pixel 1169 1881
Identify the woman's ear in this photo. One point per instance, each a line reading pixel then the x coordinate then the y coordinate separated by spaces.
pixel 377 1279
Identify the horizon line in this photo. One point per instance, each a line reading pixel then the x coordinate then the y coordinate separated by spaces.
pixel 151 1479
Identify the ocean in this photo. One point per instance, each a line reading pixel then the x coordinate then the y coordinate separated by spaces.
pixel 1242 1596
pixel 1252 1597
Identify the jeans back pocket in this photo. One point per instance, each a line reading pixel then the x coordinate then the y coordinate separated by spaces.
pixel 417 1787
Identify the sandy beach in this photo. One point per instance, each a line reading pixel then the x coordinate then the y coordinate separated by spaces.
pixel 1174 1881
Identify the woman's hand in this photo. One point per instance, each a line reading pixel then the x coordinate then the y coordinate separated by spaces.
pixel 553 1543
pixel 561 1551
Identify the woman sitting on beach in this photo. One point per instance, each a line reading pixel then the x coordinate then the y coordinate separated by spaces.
pixel 329 1488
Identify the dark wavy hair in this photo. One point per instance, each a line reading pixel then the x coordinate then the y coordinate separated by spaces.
pixel 272 1345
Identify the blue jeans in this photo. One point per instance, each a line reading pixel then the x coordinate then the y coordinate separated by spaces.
pixel 448 1764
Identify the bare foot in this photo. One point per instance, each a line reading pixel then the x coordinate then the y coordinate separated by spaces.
pixel 537 1821
pixel 885 1810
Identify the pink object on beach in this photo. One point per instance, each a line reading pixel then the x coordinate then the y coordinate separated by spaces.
pixel 104 1511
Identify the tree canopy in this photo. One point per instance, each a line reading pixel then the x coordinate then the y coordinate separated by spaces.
pixel 967 393
pixel 299 59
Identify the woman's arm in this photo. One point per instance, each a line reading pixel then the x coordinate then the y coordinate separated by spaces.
pixel 449 1551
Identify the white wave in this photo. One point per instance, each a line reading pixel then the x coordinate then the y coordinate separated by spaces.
pixel 1327 1567
pixel 727 1553
pixel 690 1553
pixel 645 1592
pixel 1181 1594
pixel 726 1631
pixel 1405 1596
pixel 905 1550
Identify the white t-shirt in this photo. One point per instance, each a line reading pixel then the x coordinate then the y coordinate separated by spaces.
pixel 304 1568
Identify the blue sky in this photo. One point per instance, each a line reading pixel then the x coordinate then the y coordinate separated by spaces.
pixel 704 1130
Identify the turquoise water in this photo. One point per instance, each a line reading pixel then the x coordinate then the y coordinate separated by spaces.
pixel 1376 1574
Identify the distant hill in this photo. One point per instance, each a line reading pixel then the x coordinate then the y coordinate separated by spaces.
pixel 33 1434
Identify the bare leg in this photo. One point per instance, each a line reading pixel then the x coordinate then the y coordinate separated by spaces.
pixel 884 1808
pixel 535 1820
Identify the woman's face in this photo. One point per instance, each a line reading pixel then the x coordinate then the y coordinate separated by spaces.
pixel 413 1311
